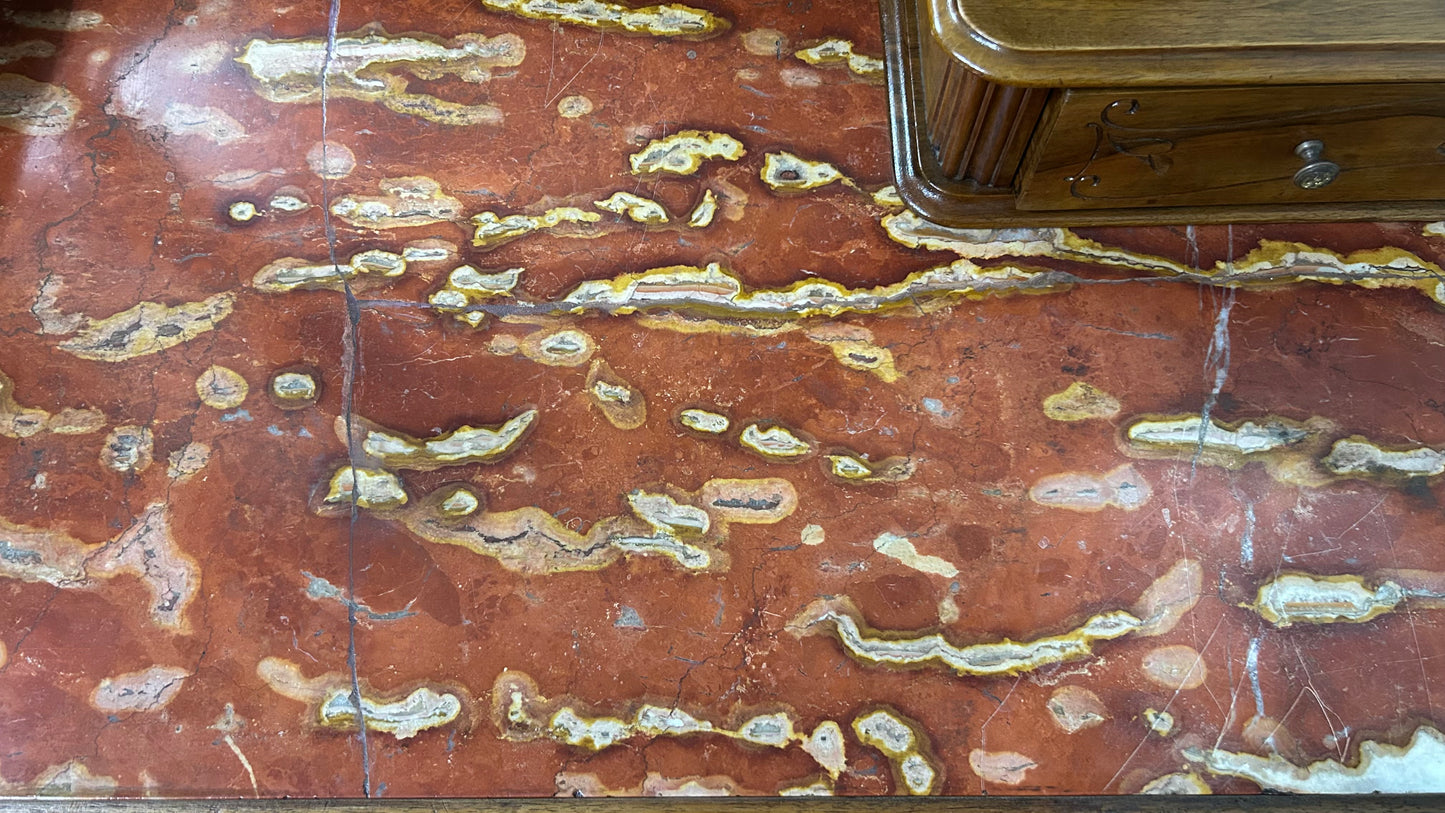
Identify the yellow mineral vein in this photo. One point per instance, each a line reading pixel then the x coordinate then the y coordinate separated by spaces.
pixel 493 230
pixel 906 746
pixel 463 445
pixel 1236 442
pixel 402 715
pixel 221 387
pixel 702 215
pixel 854 347
pixel 1291 451
pixel 369 66
pixel 370 488
pixel 294 389
pixel 521 714
pixel 775 442
pixel 1418 766
pixel 18 421
pixel 1160 723
pixel 568 347
pixel 984 659
pixel 887 198
pixel 1080 401
pixel 683 153
pixel 715 290
pixel 1307 598
pixel 667 20
pixel 466 286
pixel 575 785
pixel 637 208
pixel 785 172
pixel 851 467
pixel 420 710
pixel 704 421
pixel 427 250
pixel 687 527
pixel 623 405
pixel 1273 262
pixel 415 200
pixel 291 273
pixel 1177 784
pixel 149 327
pixel 1288 449
pixel 840 52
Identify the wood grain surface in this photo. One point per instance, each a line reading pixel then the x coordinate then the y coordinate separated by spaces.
pixel 926 188
pixel 1232 146
pixel 1063 43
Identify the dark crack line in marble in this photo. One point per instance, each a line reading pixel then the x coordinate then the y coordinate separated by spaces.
pixel 351 353
pixel 11 658
pixel 92 155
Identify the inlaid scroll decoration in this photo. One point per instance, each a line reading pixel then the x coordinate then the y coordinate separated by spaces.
pixel 1121 139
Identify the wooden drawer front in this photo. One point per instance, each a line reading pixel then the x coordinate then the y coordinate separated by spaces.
pixel 1209 147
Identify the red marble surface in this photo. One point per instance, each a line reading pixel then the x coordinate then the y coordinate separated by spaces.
pixel 123 206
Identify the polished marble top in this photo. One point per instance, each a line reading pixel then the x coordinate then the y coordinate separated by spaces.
pixel 514 398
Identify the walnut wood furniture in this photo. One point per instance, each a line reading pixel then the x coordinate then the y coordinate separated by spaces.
pixel 1070 112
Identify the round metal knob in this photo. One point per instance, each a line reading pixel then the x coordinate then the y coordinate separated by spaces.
pixel 1316 172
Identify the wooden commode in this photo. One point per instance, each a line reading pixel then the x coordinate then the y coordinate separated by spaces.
pixel 1061 112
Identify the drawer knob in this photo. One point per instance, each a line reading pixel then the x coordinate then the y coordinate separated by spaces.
pixel 1316 172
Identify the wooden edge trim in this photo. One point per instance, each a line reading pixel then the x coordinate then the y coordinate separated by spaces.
pixel 950 804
